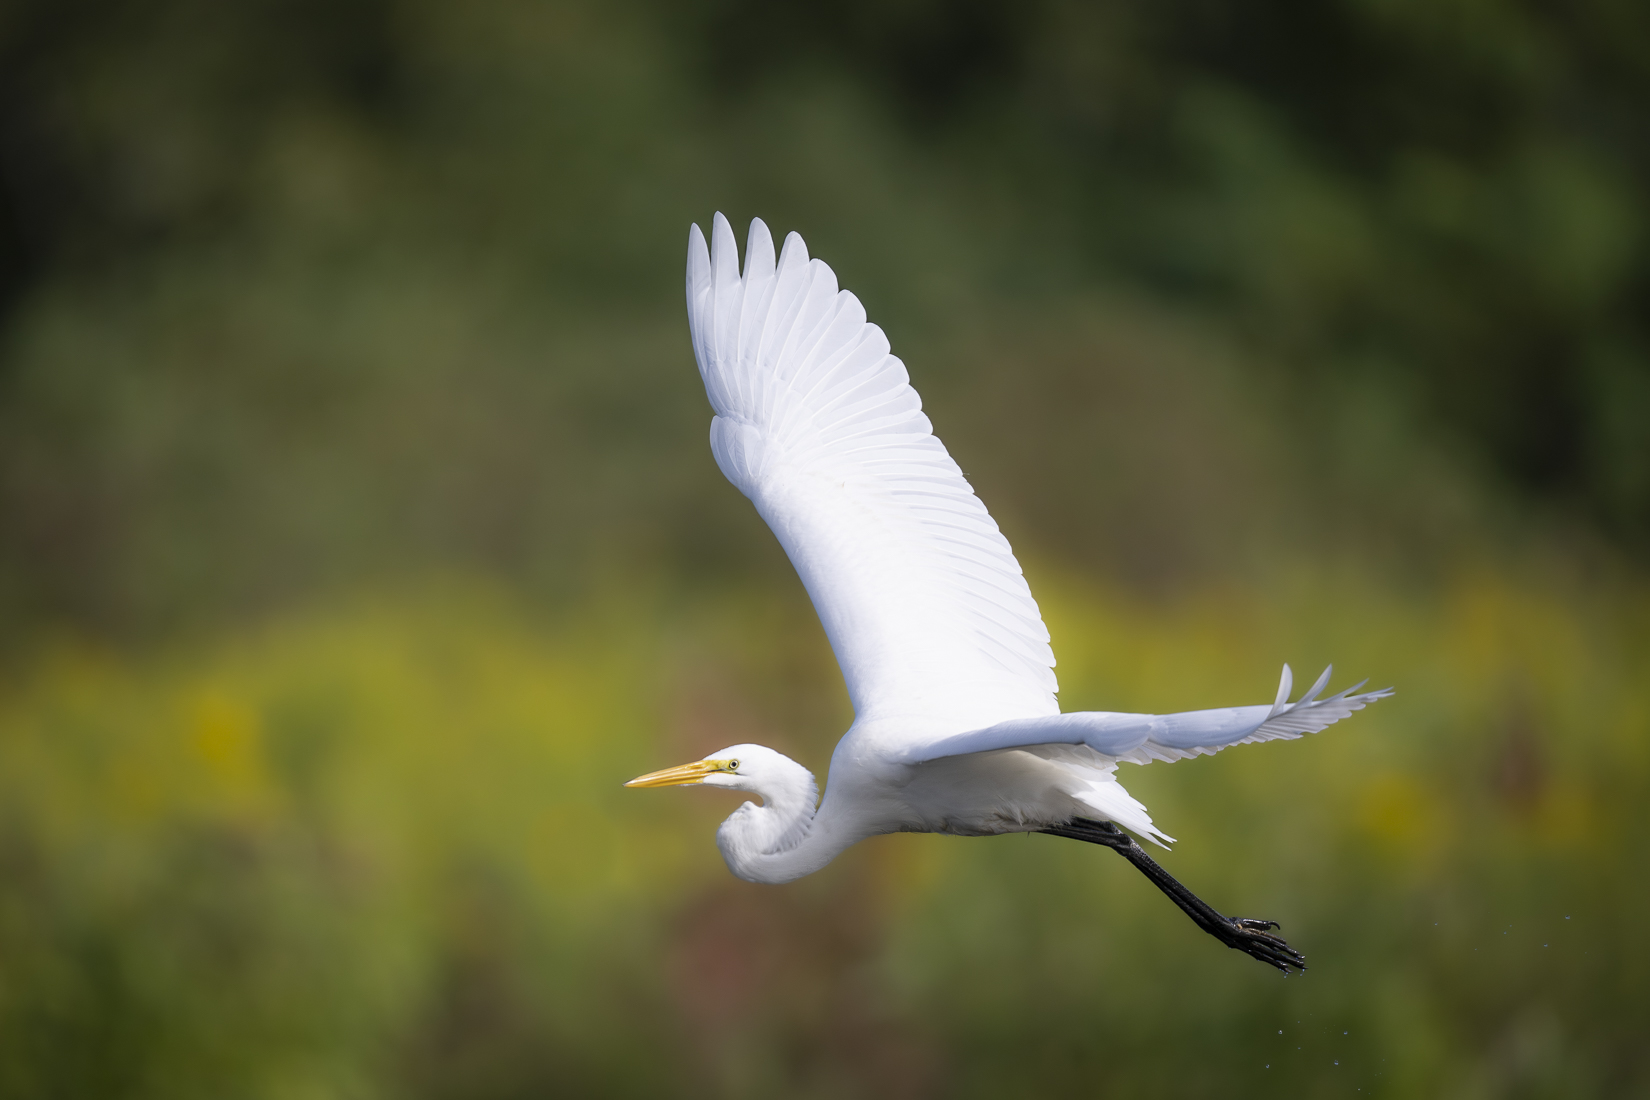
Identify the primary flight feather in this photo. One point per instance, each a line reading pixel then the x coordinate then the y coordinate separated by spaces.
pixel 941 645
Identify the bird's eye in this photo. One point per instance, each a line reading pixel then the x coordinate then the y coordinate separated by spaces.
pixel 733 765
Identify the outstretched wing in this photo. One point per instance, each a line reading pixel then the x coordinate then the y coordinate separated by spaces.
pixel 1141 738
pixel 919 593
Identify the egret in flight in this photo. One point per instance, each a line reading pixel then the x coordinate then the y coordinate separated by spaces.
pixel 947 662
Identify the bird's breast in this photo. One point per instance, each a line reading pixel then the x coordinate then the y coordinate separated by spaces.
pixel 978 794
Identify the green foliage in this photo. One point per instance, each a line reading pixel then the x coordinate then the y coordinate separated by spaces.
pixel 1268 331
pixel 300 290
pixel 383 850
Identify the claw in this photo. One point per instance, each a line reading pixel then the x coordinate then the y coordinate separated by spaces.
pixel 1252 938
pixel 1257 925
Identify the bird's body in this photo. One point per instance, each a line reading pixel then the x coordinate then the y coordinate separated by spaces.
pixel 943 650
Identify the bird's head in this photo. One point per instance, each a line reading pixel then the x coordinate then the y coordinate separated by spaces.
pixel 759 842
pixel 752 768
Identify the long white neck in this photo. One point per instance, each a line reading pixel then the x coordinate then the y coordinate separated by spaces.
pixel 786 837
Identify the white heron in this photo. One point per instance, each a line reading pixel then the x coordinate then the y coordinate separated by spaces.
pixel 947 662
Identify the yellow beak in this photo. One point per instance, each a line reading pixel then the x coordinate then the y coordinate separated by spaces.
pixel 682 773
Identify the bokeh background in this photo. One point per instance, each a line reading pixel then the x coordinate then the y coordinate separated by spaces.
pixel 359 537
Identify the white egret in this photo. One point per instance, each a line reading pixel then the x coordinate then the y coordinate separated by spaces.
pixel 947 662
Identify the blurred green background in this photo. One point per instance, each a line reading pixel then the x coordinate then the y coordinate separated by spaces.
pixel 359 537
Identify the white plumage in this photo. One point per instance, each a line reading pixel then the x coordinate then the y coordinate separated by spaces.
pixel 818 425
pixel 943 649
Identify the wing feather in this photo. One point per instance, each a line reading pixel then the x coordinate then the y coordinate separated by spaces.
pixel 1141 738
pixel 816 422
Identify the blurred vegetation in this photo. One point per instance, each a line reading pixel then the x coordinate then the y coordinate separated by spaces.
pixel 360 537
pixel 382 850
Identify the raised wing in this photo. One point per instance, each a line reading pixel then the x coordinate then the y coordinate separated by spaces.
pixel 919 593
pixel 1142 738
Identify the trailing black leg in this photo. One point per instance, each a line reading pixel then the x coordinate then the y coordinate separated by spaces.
pixel 1250 936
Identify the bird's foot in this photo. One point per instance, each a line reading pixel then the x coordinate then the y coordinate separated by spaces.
pixel 1254 937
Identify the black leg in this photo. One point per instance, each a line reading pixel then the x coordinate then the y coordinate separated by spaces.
pixel 1251 936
